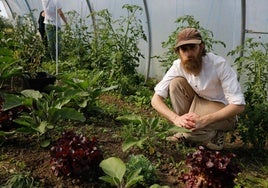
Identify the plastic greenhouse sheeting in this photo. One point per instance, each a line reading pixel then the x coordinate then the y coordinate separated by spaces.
pixel 223 18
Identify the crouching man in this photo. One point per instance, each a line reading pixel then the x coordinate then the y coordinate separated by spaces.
pixel 204 91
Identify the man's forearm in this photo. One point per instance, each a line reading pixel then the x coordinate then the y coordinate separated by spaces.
pixel 228 111
pixel 160 106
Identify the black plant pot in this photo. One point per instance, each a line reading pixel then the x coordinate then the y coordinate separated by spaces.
pixel 39 82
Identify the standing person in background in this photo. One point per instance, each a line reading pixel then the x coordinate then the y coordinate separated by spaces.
pixel 204 91
pixel 41 27
pixel 53 13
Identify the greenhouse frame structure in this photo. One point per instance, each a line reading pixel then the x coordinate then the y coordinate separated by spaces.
pixel 230 21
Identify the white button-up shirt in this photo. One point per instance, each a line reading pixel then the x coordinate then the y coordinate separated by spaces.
pixel 217 81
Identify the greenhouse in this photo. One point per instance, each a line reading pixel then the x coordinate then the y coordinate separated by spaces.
pixel 130 93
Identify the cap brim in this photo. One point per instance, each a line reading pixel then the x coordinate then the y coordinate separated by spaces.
pixel 188 42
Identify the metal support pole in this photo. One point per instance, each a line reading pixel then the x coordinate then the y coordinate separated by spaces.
pixel 149 40
pixel 243 24
pixel 243 32
pixel 91 10
pixel 9 11
pixel 57 43
pixel 256 32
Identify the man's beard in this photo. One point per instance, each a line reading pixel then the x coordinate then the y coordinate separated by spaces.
pixel 193 65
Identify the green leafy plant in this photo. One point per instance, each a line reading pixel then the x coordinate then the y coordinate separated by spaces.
pixel 4 24
pixel 250 181
pixel 148 170
pixel 112 47
pixel 48 109
pixel 115 47
pixel 159 186
pixel 27 45
pixel 184 22
pixel 8 63
pixel 44 111
pixel 115 170
pixel 76 39
pixel 85 93
pixel 253 71
pixel 21 180
pixel 142 97
pixel 139 131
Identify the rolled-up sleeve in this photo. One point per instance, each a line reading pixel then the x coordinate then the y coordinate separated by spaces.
pixel 162 88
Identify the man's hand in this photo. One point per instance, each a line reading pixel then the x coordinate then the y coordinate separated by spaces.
pixel 200 121
pixel 187 121
pixel 190 121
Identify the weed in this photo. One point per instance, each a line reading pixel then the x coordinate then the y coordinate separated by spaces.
pixel 21 180
pixel 148 170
